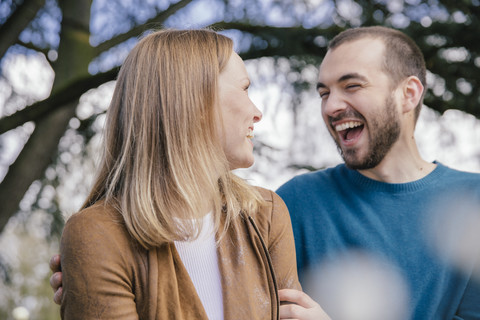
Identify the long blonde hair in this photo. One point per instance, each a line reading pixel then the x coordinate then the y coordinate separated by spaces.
pixel 162 156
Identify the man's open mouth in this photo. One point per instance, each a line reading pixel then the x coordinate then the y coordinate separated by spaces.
pixel 349 130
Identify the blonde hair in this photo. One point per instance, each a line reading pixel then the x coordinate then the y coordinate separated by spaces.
pixel 162 157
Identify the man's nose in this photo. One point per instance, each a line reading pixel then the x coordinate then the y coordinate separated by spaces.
pixel 334 104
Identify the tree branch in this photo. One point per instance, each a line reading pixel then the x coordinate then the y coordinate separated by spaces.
pixel 138 30
pixel 33 159
pixel 17 22
pixel 61 97
pixel 31 46
pixel 282 41
pixel 298 41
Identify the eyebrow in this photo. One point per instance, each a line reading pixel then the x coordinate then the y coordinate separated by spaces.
pixel 343 78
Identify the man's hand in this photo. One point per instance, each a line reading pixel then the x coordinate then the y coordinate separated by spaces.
pixel 56 278
pixel 301 306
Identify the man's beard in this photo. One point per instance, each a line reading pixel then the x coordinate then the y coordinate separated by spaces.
pixel 384 131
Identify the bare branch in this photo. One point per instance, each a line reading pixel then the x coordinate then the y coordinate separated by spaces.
pixel 33 159
pixel 138 30
pixel 282 41
pixel 61 97
pixel 17 22
pixel 31 46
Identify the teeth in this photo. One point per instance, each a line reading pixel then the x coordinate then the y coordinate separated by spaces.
pixel 348 125
pixel 250 134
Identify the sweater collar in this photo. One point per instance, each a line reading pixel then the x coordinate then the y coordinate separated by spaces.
pixel 374 185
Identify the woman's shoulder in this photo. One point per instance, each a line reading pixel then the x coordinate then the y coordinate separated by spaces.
pixel 269 195
pixel 273 208
pixel 272 219
pixel 99 213
pixel 100 221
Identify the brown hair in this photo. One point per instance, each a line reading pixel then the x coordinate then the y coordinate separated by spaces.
pixel 162 156
pixel 402 56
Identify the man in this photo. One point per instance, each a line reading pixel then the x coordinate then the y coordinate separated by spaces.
pixel 385 199
pixel 382 200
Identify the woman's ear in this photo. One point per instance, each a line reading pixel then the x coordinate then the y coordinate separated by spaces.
pixel 412 93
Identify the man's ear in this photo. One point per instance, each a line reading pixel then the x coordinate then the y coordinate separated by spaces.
pixel 412 93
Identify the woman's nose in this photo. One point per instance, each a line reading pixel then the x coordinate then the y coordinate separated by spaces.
pixel 257 115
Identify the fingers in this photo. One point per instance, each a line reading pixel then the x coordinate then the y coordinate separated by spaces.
pixel 57 297
pixel 293 311
pixel 301 306
pixel 55 263
pixel 296 296
pixel 290 312
pixel 56 281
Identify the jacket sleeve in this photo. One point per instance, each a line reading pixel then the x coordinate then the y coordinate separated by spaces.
pixel 281 245
pixel 97 284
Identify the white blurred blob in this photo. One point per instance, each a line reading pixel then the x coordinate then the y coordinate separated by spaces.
pixel 350 10
pixel 359 286
pixel 454 232
pixel 20 313
pixel 426 22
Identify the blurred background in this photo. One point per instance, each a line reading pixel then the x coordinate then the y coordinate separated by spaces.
pixel 59 60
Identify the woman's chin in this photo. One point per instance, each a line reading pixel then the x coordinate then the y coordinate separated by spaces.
pixel 247 163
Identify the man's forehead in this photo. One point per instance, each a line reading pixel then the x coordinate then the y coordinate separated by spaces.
pixel 363 40
pixel 365 46
pixel 353 57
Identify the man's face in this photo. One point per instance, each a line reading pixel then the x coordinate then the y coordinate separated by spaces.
pixel 359 105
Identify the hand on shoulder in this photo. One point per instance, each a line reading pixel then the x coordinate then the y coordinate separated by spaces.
pixel 299 306
pixel 56 278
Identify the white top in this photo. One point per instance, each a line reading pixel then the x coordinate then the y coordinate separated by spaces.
pixel 200 259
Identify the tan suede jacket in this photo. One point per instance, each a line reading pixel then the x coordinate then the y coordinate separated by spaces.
pixel 107 275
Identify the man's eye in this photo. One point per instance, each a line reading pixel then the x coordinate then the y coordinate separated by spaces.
pixel 353 86
pixel 323 94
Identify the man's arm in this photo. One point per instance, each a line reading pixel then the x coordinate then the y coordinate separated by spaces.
pixel 469 308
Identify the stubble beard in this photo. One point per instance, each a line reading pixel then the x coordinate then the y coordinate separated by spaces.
pixel 384 131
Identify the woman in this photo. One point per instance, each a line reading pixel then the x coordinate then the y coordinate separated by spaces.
pixel 168 231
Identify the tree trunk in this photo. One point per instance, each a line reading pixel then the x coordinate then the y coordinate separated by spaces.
pixel 74 55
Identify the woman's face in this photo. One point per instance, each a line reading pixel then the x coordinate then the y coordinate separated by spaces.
pixel 238 114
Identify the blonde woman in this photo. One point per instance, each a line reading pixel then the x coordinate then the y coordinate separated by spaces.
pixel 168 231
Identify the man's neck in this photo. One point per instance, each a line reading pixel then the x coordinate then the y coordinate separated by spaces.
pixel 400 165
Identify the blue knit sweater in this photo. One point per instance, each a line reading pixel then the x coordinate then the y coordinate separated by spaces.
pixel 337 209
